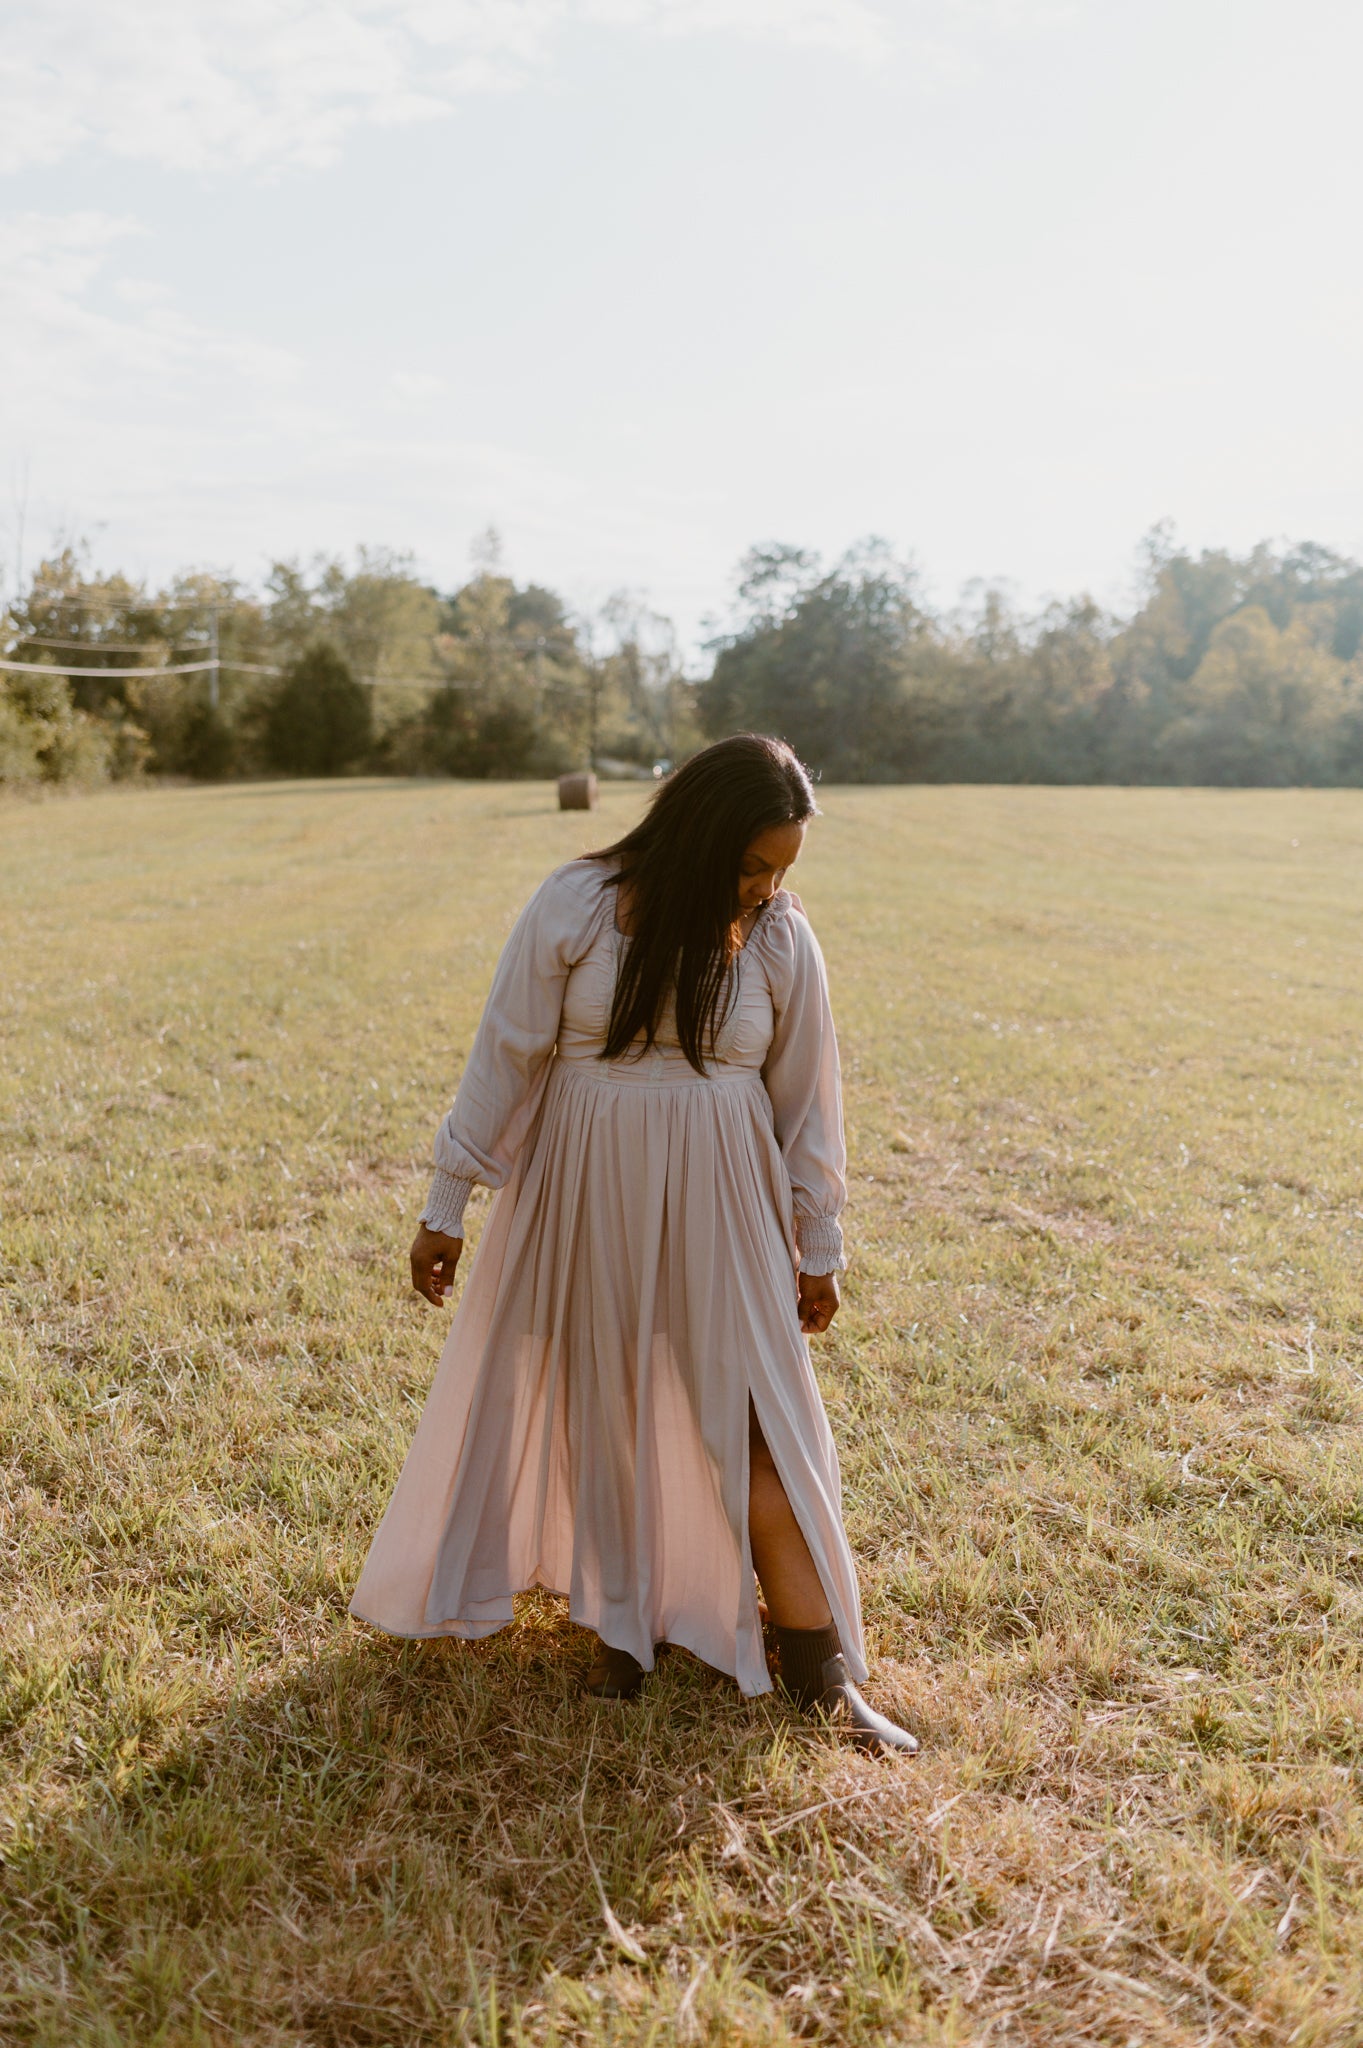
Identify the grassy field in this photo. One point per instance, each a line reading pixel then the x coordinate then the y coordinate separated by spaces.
pixel 1097 1383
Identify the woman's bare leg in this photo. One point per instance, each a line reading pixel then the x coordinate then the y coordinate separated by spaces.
pixel 790 1584
pixel 812 1669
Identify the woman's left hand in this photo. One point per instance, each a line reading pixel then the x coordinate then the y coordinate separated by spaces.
pixel 434 1258
pixel 819 1299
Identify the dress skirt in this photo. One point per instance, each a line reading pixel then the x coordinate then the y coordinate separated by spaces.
pixel 587 1429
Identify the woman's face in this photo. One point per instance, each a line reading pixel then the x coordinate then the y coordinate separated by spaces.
pixel 763 866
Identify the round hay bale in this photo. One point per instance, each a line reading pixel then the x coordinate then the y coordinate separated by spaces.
pixel 577 792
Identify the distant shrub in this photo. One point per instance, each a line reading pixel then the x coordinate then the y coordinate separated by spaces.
pixel 20 745
pixel 503 743
pixel 208 744
pixel 319 720
pixel 43 738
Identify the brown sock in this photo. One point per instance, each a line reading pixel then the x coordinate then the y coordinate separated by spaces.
pixel 803 1653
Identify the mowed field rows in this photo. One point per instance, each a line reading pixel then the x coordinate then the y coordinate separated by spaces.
pixel 1098 1383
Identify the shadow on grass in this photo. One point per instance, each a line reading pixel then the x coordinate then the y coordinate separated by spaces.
pixel 393 1843
pixel 394 785
pixel 339 785
pixel 407 785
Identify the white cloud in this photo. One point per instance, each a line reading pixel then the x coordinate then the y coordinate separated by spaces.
pixel 192 85
pixel 256 84
pixel 408 389
pixel 198 84
pixel 850 26
pixel 57 345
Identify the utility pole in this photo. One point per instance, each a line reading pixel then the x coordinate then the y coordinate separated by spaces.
pixel 213 656
pixel 597 675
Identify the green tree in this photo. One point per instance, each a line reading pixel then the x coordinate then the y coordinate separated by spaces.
pixel 513 674
pixel 94 623
pixel 318 720
pixel 490 727
pixel 102 624
pixel 1263 706
pixel 44 738
pixel 208 743
pixel 639 700
pixel 379 615
pixel 824 659
pixel 1029 693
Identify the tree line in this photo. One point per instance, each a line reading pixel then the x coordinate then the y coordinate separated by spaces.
pixel 328 669
pixel 1226 669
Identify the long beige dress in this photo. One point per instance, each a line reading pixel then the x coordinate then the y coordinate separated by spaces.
pixel 587 1429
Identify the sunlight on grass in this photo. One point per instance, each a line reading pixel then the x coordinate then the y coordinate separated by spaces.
pixel 1097 1385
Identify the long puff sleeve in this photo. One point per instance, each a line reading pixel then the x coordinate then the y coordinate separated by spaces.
pixel 508 1065
pixel 803 1080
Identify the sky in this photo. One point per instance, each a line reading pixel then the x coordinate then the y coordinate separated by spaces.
pixel 644 282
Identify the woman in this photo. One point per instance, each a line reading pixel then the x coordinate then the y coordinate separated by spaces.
pixel 625 1410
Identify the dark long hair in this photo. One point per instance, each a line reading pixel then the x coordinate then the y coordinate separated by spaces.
pixel 681 865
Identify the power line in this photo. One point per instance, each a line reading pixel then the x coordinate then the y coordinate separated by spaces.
pixel 52 668
pixel 85 646
pixel 194 668
pixel 75 600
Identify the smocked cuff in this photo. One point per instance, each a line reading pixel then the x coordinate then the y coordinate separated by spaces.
pixel 819 1242
pixel 444 1210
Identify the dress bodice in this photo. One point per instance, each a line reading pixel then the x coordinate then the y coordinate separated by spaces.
pixel 552 995
pixel 742 1041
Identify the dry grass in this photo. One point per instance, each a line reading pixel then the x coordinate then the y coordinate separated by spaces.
pixel 1097 1382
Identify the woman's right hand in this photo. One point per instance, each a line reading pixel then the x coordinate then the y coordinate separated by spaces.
pixel 434 1258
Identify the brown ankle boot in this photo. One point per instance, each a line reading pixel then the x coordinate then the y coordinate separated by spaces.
pixel 614 1674
pixel 843 1705
pixel 815 1676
